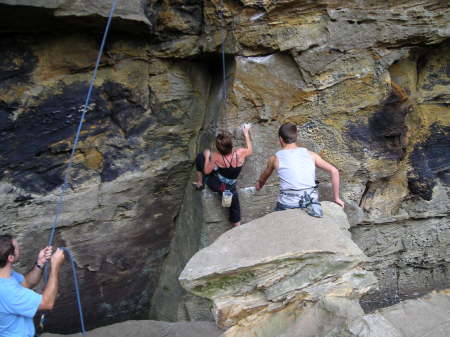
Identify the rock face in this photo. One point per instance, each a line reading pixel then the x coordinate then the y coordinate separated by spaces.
pixel 427 316
pixel 367 83
pixel 397 250
pixel 51 14
pixel 130 170
pixel 266 274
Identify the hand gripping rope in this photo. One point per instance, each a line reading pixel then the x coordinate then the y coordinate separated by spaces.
pixel 60 202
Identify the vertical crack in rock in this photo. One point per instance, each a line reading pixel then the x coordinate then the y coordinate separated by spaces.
pixel 170 301
pixel 365 193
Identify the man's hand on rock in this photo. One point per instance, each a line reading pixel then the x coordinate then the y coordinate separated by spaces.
pixel 339 202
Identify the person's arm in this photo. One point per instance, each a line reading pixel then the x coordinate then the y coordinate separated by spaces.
pixel 334 173
pixel 248 150
pixel 51 289
pixel 210 163
pixel 33 277
pixel 266 173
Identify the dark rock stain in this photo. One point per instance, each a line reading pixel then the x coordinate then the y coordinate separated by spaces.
pixel 24 149
pixel 384 132
pixel 6 112
pixel 124 112
pixel 430 161
pixel 433 73
pixel 16 62
pixel 36 145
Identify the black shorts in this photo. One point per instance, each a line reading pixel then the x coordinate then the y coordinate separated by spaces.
pixel 213 182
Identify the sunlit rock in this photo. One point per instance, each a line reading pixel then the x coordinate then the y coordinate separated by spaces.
pixel 272 267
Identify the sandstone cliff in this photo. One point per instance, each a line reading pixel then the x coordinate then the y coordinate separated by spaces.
pixel 367 82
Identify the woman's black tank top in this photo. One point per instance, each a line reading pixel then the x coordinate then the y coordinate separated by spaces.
pixel 230 172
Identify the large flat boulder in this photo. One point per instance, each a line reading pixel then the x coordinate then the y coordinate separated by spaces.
pixel 147 328
pixel 276 264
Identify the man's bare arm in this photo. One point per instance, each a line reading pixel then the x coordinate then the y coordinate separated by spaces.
pixel 33 277
pixel 266 173
pixel 51 289
pixel 334 173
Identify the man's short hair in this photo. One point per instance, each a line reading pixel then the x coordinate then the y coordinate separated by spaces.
pixel 224 142
pixel 288 132
pixel 6 248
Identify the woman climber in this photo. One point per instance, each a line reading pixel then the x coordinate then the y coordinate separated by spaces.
pixel 219 170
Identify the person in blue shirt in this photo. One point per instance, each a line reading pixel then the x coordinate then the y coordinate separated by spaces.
pixel 18 303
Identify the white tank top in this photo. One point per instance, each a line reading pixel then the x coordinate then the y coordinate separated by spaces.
pixel 296 169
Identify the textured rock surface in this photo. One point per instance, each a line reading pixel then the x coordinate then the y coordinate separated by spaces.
pixel 271 269
pixel 396 252
pixel 152 329
pixel 427 316
pixel 130 170
pixel 372 102
pixel 367 82
pixel 46 14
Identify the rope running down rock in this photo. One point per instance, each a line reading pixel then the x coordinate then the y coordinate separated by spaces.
pixel 60 202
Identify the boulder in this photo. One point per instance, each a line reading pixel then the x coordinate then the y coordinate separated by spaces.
pixel 263 274
pixel 147 328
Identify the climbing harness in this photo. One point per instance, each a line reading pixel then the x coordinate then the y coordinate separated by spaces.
pixel 225 180
pixel 308 199
pixel 60 203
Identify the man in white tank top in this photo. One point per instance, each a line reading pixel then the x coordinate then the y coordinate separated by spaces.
pixel 296 168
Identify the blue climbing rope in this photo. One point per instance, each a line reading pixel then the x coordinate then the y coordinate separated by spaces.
pixel 60 202
pixel 77 288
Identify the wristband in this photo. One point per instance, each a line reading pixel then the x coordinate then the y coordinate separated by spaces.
pixel 39 266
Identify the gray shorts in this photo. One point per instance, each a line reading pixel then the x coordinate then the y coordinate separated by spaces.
pixel 307 199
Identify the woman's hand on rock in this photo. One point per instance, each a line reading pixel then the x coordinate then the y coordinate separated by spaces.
pixel 246 128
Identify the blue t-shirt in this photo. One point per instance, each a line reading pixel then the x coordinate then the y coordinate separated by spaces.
pixel 18 305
